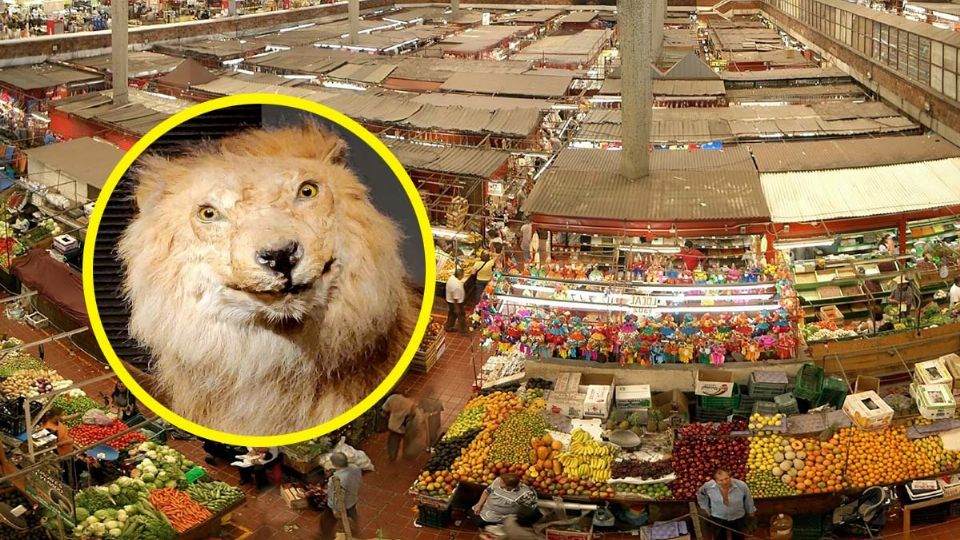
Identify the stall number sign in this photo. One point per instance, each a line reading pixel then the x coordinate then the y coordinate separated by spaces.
pixel 46 487
pixel 496 189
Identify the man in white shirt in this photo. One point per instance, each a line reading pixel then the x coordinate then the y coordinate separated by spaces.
pixel 456 296
pixel 955 293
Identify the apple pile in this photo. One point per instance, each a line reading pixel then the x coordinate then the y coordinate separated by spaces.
pixel 703 448
pixel 645 470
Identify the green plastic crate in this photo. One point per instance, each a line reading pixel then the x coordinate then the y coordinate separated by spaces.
pixel 809 383
pixel 787 403
pixel 709 402
pixel 833 391
pixel 194 474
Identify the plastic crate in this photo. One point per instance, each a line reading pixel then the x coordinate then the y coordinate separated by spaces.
pixel 429 516
pixel 732 402
pixel 833 391
pixel 766 408
pixel 809 383
pixel 713 415
pixel 808 527
pixel 787 403
pixel 767 381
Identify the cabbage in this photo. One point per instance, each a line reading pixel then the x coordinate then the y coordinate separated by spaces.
pixel 124 481
pixel 114 533
pixel 82 513
pixel 101 515
pixel 170 484
pixel 114 489
pixel 91 519
pixel 147 477
pixel 112 524
pixel 130 509
pixel 121 515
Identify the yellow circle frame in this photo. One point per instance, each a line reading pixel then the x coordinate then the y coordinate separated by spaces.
pixel 425 232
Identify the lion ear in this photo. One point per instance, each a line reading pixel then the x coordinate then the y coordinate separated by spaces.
pixel 152 172
pixel 338 152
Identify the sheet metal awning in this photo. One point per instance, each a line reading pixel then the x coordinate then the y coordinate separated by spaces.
pixel 44 76
pixel 454 160
pixel 545 86
pixel 845 193
pixel 86 159
pixel 774 157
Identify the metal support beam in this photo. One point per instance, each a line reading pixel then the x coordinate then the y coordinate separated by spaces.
pixel 454 9
pixel 354 15
pixel 118 45
pixel 634 19
pixel 232 8
pixel 659 17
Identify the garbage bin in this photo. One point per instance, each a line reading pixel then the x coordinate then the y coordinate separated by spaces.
pixel 431 411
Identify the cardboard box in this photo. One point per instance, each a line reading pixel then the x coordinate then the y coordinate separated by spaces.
pixel 295 497
pixel 867 410
pixel 952 361
pixel 556 533
pixel 950 485
pixel 568 382
pixel 933 372
pixel 598 392
pixel 633 397
pixel 714 383
pixel 865 383
pixel 566 403
pixel 935 401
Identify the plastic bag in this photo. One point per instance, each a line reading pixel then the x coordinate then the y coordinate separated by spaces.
pixel 354 456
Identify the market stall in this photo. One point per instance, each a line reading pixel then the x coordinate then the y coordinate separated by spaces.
pixel 585 439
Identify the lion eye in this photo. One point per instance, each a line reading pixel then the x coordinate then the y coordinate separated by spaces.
pixel 207 213
pixel 308 190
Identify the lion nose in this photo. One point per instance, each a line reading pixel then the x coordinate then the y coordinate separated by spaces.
pixel 281 260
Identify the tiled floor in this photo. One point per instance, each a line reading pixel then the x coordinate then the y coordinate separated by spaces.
pixel 385 505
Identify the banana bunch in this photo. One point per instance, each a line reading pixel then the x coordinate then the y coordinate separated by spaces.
pixel 587 458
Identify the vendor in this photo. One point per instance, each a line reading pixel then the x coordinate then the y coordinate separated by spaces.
pixel 123 402
pixel 955 293
pixel 692 257
pixel 259 459
pixel 727 502
pixel 506 496
pixel 53 421
pixel 875 322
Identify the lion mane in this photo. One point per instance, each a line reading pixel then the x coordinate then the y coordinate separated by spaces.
pixel 216 362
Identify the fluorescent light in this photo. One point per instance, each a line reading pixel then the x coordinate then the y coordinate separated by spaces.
pixel 343 85
pixel 650 249
pixel 715 309
pixel 443 232
pixel 803 243
pixel 300 77
pixel 525 301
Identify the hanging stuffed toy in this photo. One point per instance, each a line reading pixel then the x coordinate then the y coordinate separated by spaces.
pixel 704 351
pixel 537 335
pixel 556 331
pixel 718 354
pixel 768 344
pixel 781 321
pixel 595 345
pixel 733 274
pixel 707 324
pixel 786 346
pixel 750 350
pixel 671 352
pixel 577 338
pixel 686 352
pixel 657 355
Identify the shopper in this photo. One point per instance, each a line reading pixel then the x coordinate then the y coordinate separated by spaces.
pixel 875 323
pixel 506 496
pixel 219 451
pixel 456 296
pixel 123 402
pixel 886 244
pixel 485 274
pixel 526 237
pixel 260 460
pixel 401 423
pixel 692 257
pixel 727 502
pixel 955 293
pixel 350 478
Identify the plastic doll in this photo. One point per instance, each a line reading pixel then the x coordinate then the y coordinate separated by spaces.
pixel 707 324
pixel 786 346
pixel 704 351
pixel 686 352
pixel 733 274
pixel 657 355
pixel 671 351
pixel 750 350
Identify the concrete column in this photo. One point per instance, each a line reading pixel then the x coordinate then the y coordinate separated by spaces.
pixel 232 8
pixel 634 21
pixel 454 9
pixel 354 15
pixel 118 46
pixel 659 17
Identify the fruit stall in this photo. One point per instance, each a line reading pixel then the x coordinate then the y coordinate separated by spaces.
pixel 808 437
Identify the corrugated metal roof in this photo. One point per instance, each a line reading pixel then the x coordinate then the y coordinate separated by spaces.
pixel 815 195
pixel 504 122
pixel 375 108
pixel 785 74
pixel 372 74
pixel 455 160
pixel 309 60
pixel 440 69
pixel 520 122
pixel 44 76
pixel 691 68
pixel 475 40
pixel 787 93
pixel 539 16
pixel 87 159
pixel 139 63
pixel 848 110
pixel 490 103
pixel 773 157
pixel 580 17
pixel 584 43
pixel 508 84
pixel 683 185
pixel 689 88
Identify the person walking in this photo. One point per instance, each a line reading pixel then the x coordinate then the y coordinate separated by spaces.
pixel 456 296
pixel 350 478
pixel 401 423
pixel 485 274
pixel 728 503
pixel 526 238
pixel 259 460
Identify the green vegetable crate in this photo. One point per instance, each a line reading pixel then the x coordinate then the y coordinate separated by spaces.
pixel 764 383
pixel 732 402
pixel 809 383
pixel 787 404
pixel 833 392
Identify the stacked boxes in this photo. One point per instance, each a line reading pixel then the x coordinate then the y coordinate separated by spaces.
pixel 867 410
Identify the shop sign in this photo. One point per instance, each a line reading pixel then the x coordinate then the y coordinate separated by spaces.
pixel 719 64
pixel 46 487
pixel 485 19
pixel 495 189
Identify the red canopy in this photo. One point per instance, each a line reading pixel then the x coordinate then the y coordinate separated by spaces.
pixel 54 281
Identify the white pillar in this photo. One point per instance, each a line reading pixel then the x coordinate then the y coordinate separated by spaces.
pixel 118 46
pixel 659 17
pixel 354 15
pixel 454 9
pixel 634 23
pixel 232 8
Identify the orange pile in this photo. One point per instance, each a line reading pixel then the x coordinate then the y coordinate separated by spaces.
pixel 884 457
pixel 823 466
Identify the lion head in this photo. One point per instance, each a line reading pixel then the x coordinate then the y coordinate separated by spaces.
pixel 260 259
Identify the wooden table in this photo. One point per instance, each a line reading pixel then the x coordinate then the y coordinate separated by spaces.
pixel 907 508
